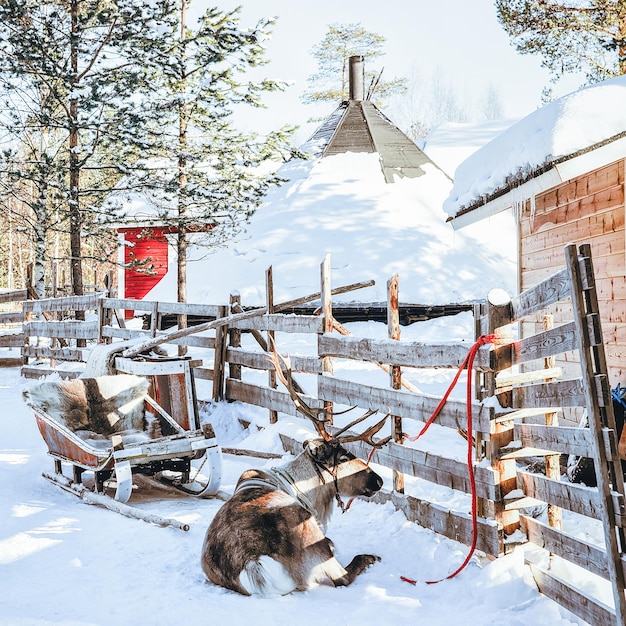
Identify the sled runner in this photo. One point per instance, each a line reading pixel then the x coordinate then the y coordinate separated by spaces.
pixel 112 427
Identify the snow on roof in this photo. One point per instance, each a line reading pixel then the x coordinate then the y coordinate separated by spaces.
pixel 342 206
pixel 555 132
pixel 134 209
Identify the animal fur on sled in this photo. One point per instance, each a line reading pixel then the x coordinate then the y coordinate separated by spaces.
pixel 103 405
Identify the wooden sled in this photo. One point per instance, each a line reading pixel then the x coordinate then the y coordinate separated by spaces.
pixel 188 459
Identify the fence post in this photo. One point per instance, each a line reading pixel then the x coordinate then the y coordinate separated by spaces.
pixel 327 324
pixel 395 372
pixel 234 336
pixel 553 469
pixel 219 357
pixel 269 301
pixel 501 434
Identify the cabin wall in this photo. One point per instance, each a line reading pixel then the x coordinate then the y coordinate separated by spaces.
pixel 588 209
pixel 148 248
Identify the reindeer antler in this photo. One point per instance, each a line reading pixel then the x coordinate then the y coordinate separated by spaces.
pixel 285 377
pixel 367 435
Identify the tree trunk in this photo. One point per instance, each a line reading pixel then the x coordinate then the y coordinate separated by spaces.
pixel 181 238
pixel 74 179
pixel 10 259
pixel 621 17
pixel 39 262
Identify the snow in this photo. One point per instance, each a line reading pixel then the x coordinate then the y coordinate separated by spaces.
pixel 66 563
pixel 340 205
pixel 561 128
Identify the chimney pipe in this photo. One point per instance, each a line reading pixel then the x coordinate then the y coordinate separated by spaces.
pixel 357 77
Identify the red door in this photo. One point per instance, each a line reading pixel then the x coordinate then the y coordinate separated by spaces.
pixel 146 260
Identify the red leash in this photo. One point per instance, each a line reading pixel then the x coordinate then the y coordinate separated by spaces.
pixel 469 363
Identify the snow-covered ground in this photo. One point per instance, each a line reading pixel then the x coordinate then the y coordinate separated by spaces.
pixel 64 562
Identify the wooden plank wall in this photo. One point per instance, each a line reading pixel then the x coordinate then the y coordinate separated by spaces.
pixel 588 209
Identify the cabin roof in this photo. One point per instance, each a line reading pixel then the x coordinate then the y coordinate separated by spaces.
pixel 357 125
pixel 564 139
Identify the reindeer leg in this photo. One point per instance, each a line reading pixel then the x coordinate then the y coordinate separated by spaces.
pixel 358 565
pixel 328 567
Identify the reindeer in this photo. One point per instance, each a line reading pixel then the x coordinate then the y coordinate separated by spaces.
pixel 268 538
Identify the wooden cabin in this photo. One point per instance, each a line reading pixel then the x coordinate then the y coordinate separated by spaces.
pixel 561 172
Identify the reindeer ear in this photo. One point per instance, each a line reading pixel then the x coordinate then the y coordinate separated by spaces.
pixel 314 447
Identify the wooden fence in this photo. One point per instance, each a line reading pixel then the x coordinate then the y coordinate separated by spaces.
pixel 535 390
pixel 11 335
pixel 104 322
pixel 525 424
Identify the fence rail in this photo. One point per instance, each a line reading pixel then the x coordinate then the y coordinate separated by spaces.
pixel 11 336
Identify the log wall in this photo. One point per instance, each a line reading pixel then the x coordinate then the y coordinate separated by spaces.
pixel 588 209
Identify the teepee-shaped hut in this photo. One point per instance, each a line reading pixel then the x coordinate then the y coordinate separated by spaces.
pixel 366 195
pixel 357 125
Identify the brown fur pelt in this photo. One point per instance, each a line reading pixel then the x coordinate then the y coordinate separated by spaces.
pixel 103 405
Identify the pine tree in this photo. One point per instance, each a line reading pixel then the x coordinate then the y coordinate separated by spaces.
pixel 330 83
pixel 587 36
pixel 68 70
pixel 204 173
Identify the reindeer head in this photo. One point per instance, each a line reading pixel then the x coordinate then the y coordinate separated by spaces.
pixel 352 476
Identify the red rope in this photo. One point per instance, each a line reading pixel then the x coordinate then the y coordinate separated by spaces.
pixel 469 363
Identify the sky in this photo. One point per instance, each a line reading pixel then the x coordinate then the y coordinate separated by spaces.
pixel 459 41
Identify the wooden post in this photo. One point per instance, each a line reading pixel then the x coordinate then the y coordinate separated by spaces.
pixel 54 292
pixel 234 337
pixel 269 300
pixel 327 323
pixel 154 319
pixel 608 467
pixel 395 372
pixel 219 356
pixel 101 314
pixel 553 466
pixel 501 435
pixel 107 313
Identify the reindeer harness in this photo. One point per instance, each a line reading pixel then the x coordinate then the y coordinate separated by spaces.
pixel 278 478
